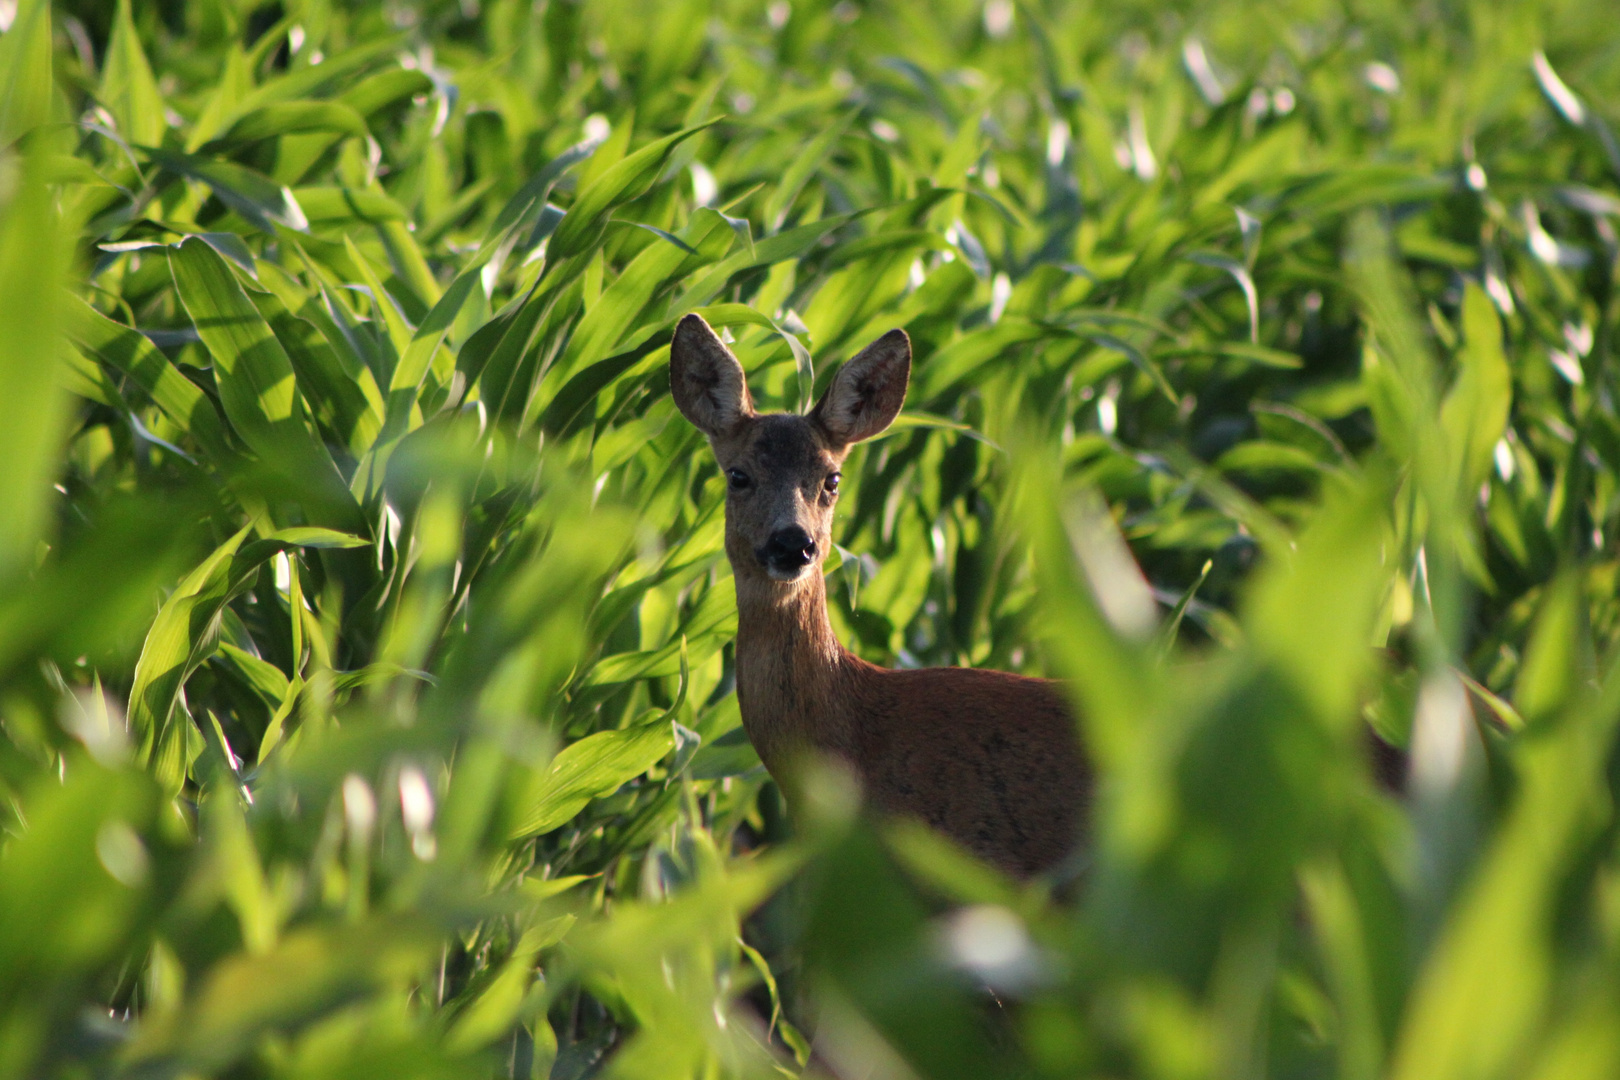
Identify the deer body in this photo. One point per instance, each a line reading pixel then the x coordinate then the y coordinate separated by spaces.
pixel 988 758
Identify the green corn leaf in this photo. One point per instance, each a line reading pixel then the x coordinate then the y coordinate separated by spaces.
pixel 569 407
pixel 256 382
pixel 128 87
pixel 256 379
pixel 32 265
pixel 605 325
pixel 417 283
pixel 61 169
pixel 236 862
pixel 260 200
pixel 1475 411
pixel 729 755
pixel 1260 456
pixel 508 383
pixel 25 71
pixel 412 368
pixel 1142 362
pixel 790 1034
pixel 84 377
pixel 1315 613
pixel 183 635
pixel 316 306
pixel 883 966
pixel 526 204
pixel 300 83
pixel 289 118
pixel 587 218
pixel 1557 657
pixel 594 766
pixel 313 537
pixel 1385 292
pixel 782 247
pixel 230 87
pixel 307 973
pixel 384 306
pixel 1110 671
pixel 298 153
pixel 964 357
pixel 607 152
pixel 344 681
pixel 1258 354
pixel 263 676
pixel 850 297
pixel 339 388
pixel 1245 281
pixel 330 206
pixel 490 1016
pixel 186 633
pixel 75 892
pixel 1485 987
pixel 885 242
pixel 1172 625
pixel 800 170
pixel 506 332
pixel 699 638
pixel 377 92
pixel 910 421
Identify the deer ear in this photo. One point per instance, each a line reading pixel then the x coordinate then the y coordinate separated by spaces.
pixel 866 394
pixel 705 379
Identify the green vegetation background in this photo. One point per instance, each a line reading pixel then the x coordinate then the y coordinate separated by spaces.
pixel 364 628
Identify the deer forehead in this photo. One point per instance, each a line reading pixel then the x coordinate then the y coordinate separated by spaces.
pixel 783 448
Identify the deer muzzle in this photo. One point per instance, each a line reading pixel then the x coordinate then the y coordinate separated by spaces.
pixel 786 554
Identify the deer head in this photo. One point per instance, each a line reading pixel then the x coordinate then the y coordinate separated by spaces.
pixel 781 469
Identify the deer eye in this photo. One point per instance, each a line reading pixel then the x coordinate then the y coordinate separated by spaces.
pixel 738 479
pixel 832 482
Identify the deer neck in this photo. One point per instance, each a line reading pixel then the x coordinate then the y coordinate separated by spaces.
pixel 791 670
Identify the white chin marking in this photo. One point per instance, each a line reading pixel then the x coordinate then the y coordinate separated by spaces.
pixel 786 575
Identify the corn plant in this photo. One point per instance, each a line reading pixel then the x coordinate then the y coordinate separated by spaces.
pixel 365 633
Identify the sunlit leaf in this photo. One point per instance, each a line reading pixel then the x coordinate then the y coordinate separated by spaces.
pixel 595 765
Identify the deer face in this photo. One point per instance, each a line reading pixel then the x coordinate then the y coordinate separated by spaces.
pixel 781 469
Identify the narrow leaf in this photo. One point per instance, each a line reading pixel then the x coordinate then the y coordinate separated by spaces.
pixel 594 766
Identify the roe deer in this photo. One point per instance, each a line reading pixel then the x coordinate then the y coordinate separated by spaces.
pixel 990 759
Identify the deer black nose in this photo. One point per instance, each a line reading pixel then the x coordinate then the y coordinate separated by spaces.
pixel 788 549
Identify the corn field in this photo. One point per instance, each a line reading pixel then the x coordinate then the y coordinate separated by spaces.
pixel 366 659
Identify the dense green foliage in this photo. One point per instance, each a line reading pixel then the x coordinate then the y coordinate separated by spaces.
pixel 365 634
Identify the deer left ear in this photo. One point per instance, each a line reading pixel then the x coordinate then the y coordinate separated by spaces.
pixel 705 379
pixel 866 394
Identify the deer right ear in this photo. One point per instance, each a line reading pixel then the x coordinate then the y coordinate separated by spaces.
pixel 866 394
pixel 705 379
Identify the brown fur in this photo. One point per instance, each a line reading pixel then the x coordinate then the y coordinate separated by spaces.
pixel 990 759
